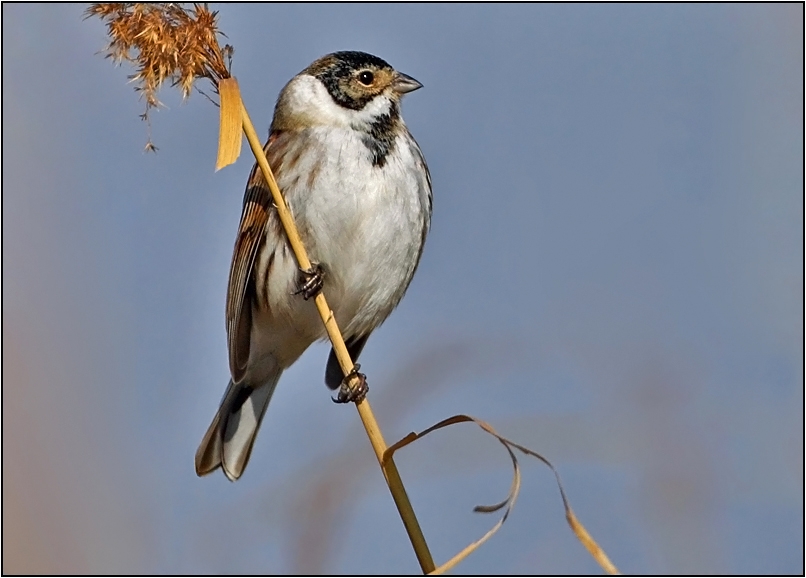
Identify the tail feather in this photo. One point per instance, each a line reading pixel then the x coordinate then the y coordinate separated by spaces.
pixel 229 439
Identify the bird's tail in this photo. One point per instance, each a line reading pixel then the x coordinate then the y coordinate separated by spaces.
pixel 229 439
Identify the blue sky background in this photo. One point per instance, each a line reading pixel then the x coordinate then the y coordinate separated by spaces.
pixel 614 278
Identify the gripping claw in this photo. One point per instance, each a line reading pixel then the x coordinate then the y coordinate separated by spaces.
pixel 349 394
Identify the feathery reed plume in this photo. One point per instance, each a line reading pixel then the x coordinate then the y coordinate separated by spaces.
pixel 164 42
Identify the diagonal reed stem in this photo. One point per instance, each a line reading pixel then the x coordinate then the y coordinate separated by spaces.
pixel 364 411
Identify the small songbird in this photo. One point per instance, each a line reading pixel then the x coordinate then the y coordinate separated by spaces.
pixel 359 190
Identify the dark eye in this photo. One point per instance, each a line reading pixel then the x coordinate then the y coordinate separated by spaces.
pixel 365 77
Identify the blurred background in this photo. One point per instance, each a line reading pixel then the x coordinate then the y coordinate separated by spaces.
pixel 614 278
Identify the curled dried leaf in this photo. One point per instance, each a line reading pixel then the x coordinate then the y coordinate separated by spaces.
pixel 576 526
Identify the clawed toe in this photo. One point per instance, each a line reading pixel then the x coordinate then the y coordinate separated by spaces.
pixel 312 280
pixel 349 393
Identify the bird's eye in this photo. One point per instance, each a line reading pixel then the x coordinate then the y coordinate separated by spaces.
pixel 365 77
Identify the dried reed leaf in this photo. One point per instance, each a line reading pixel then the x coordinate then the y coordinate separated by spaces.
pixel 230 132
pixel 576 526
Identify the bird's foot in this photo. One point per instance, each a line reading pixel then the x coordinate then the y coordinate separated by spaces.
pixel 311 281
pixel 348 392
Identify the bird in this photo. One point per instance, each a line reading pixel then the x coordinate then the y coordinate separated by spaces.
pixel 359 190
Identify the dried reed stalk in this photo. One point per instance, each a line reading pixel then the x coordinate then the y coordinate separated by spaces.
pixel 168 42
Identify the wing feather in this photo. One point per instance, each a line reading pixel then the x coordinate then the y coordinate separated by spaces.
pixel 257 206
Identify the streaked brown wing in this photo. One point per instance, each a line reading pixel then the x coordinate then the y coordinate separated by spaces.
pixel 240 292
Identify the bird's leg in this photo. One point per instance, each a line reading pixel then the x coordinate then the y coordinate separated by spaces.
pixel 346 391
pixel 311 281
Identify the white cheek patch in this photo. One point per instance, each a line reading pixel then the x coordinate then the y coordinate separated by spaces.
pixel 309 101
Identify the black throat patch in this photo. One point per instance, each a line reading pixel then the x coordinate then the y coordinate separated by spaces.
pixel 380 137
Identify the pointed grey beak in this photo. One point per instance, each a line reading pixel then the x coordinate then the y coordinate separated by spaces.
pixel 404 83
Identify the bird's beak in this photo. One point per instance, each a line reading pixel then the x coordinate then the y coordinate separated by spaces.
pixel 404 83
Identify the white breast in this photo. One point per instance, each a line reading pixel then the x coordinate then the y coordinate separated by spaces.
pixel 364 224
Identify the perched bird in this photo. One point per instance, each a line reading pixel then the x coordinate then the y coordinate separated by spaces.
pixel 359 190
